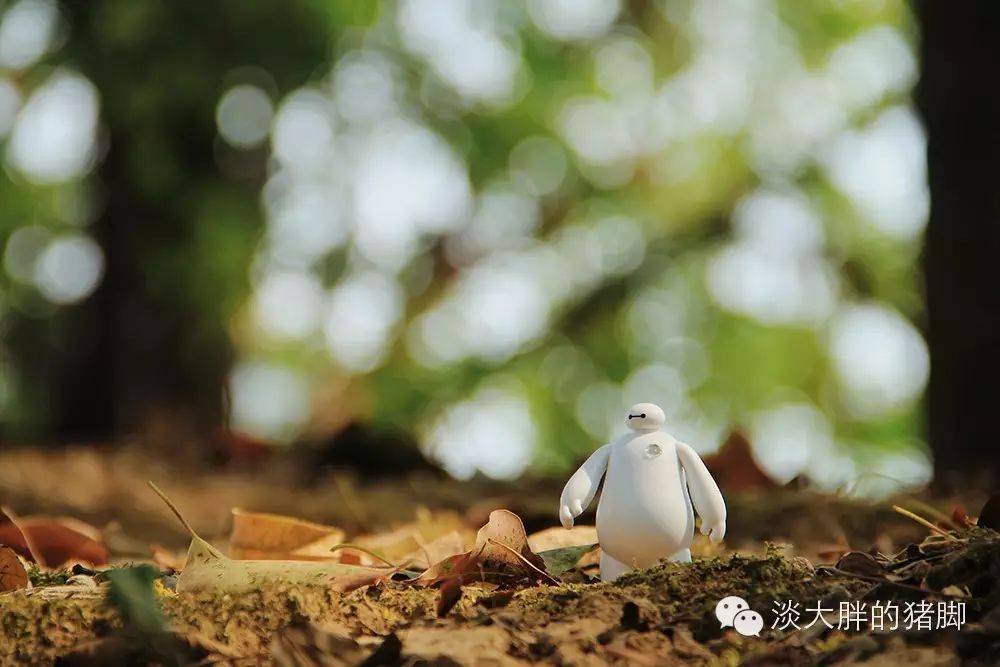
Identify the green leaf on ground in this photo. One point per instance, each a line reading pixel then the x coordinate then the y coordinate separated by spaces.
pixel 133 595
pixel 562 559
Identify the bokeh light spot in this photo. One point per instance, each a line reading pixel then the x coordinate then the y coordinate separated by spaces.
pixel 492 432
pixel 69 269
pixel 268 401
pixel 27 30
pixel 54 137
pixel 574 19
pixel 880 358
pixel 244 116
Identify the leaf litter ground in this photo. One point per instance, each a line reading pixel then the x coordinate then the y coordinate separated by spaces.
pixel 499 603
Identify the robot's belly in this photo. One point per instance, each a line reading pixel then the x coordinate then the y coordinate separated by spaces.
pixel 644 513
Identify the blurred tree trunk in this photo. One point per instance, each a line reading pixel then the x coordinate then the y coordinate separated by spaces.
pixel 176 225
pixel 961 108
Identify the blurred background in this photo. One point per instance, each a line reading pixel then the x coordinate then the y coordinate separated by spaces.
pixel 484 228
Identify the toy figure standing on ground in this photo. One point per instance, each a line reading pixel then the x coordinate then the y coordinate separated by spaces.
pixel 645 512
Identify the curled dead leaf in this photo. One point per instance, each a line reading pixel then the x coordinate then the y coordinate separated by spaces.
pixel 501 553
pixel 860 563
pixel 504 540
pixel 13 575
pixel 55 540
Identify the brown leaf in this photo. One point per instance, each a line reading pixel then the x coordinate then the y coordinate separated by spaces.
pixel 262 536
pixel 366 576
pixel 989 517
pixel 311 645
pixel 13 576
pixel 558 537
pixel 57 540
pixel 505 529
pixel 418 544
pixel 444 569
pixel 860 563
pixel 395 546
pixel 447 545
pixel 451 593
pixel 501 550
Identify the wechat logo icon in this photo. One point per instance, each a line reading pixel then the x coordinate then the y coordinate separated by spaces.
pixel 734 612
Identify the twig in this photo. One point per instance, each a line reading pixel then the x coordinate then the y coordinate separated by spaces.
pixel 28 541
pixel 345 545
pixel 923 522
pixel 930 509
pixel 173 508
pixel 919 559
pixel 883 580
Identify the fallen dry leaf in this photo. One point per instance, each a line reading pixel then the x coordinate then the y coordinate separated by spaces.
pixel 558 537
pixel 263 536
pixel 858 562
pixel 298 646
pixel 504 540
pixel 392 546
pixel 56 540
pixel 989 516
pixel 501 553
pixel 440 571
pixel 447 545
pixel 419 544
pixel 13 576
pixel 207 569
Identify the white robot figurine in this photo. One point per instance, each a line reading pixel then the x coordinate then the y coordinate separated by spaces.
pixel 645 512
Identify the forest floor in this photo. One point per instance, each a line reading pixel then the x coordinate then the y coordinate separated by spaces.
pixel 474 590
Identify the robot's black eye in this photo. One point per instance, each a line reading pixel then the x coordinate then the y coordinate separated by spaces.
pixel 643 415
pixel 725 606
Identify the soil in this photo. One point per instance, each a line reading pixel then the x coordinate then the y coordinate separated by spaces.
pixel 783 545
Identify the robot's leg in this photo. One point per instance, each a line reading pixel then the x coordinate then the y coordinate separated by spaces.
pixel 611 569
pixel 682 556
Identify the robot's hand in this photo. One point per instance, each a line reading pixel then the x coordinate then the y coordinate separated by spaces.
pixel 715 531
pixel 569 512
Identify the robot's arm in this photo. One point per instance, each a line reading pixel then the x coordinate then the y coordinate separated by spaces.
pixel 705 493
pixel 582 486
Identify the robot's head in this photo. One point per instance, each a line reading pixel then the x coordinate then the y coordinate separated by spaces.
pixel 645 417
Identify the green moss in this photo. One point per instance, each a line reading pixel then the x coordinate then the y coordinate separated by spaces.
pixel 40 577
